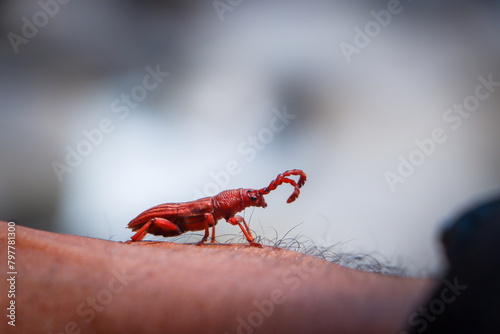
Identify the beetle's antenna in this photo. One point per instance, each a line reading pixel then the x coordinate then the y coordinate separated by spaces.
pixel 282 178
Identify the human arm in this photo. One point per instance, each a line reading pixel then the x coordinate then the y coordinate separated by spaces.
pixel 73 284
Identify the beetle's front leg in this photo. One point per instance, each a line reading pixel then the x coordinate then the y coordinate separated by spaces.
pixel 237 220
pixel 208 220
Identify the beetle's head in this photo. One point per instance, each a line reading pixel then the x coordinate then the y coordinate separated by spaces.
pixel 252 197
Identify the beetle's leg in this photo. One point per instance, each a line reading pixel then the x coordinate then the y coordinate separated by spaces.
pixel 162 223
pixel 142 231
pixel 237 220
pixel 209 219
pixel 246 226
pixel 213 234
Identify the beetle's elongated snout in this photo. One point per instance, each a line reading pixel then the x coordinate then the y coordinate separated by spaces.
pixel 262 202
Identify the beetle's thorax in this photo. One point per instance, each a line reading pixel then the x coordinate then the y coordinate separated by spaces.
pixel 228 203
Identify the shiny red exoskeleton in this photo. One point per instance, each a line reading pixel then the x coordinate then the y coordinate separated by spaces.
pixel 173 219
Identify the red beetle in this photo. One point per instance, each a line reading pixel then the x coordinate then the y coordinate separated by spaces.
pixel 173 219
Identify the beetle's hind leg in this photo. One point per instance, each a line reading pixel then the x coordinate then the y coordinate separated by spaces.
pixel 142 232
pixel 161 225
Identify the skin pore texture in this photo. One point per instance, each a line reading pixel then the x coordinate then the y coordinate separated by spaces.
pixel 73 284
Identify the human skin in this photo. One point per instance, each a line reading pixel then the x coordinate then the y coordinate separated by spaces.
pixel 73 284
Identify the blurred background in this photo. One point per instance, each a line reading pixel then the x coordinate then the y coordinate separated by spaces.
pixel 93 130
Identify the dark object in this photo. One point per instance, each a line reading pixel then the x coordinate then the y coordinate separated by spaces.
pixel 172 219
pixel 468 300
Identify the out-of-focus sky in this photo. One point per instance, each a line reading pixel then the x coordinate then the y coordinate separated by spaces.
pixel 390 107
